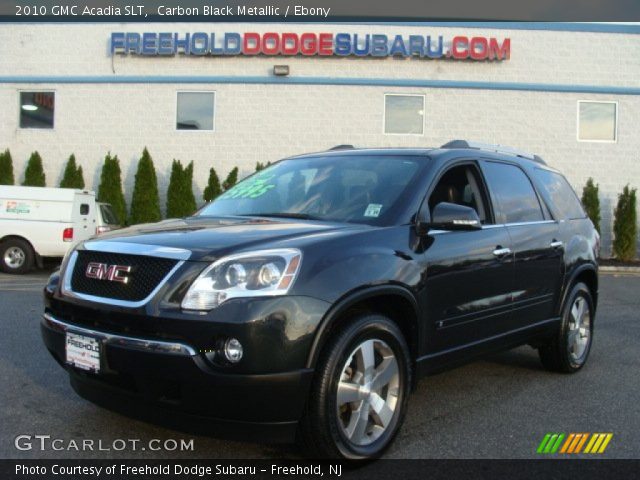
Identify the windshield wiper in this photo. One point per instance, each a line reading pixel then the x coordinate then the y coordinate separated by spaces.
pixel 301 216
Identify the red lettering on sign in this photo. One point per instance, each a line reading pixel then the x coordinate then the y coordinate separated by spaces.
pixel 251 44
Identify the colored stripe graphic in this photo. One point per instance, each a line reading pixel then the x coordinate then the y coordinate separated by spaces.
pixel 605 443
pixel 598 443
pixel 565 447
pixel 594 437
pixel 574 443
pixel 550 443
pixel 543 443
pixel 555 447
pixel 581 443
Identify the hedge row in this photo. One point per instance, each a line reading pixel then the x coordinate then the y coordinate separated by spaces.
pixel 625 219
pixel 145 201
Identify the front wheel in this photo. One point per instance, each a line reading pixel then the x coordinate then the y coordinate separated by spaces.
pixel 359 396
pixel 16 256
pixel 569 349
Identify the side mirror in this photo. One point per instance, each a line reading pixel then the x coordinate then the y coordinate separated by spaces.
pixel 448 216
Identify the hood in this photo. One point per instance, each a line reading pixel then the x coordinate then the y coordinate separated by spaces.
pixel 209 238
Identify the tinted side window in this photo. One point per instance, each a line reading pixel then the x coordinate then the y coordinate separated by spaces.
pixel 461 185
pixel 561 193
pixel 515 195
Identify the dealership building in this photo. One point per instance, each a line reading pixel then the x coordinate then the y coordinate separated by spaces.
pixel 234 94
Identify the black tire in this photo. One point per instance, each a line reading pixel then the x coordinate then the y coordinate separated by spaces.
pixel 9 248
pixel 557 354
pixel 322 430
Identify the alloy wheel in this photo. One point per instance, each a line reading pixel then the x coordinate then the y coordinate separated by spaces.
pixel 579 334
pixel 367 393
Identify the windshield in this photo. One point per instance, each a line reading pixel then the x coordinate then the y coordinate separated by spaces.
pixel 361 189
pixel 108 217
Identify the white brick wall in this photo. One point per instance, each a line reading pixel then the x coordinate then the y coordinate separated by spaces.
pixel 267 122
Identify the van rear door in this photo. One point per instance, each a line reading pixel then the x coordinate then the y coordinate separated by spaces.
pixel 84 216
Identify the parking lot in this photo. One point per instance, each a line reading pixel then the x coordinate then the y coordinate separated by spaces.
pixel 499 407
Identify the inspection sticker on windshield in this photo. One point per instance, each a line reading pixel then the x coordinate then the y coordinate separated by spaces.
pixel 373 210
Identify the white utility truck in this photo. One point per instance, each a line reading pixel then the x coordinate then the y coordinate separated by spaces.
pixel 37 222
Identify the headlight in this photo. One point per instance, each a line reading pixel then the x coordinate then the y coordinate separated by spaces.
pixel 252 274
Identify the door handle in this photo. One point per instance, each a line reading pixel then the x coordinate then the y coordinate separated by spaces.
pixel 501 252
pixel 556 244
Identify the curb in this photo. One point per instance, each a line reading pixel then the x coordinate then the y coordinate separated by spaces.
pixel 620 270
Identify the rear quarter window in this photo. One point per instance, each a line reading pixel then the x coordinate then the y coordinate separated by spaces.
pixel 561 194
pixel 517 200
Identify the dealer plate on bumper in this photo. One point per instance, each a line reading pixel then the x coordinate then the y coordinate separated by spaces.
pixel 83 352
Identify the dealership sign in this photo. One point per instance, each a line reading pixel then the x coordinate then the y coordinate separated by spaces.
pixel 459 47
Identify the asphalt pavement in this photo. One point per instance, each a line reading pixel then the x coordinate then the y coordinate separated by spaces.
pixel 498 407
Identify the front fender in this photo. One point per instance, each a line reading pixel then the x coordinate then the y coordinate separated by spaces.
pixel 351 299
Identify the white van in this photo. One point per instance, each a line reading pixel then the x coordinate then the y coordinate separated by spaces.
pixel 38 222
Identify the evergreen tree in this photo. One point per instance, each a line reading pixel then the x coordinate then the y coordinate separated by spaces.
pixel 79 178
pixel 180 199
pixel 591 202
pixel 625 225
pixel 231 180
pixel 145 203
pixel 72 177
pixel 213 189
pixel 110 189
pixel 34 173
pixel 6 168
pixel 174 189
pixel 262 166
pixel 189 197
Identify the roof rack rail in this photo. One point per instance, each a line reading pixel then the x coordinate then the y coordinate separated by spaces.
pixel 494 148
pixel 342 147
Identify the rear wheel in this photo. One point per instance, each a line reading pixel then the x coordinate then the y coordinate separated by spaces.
pixel 16 256
pixel 359 396
pixel 569 349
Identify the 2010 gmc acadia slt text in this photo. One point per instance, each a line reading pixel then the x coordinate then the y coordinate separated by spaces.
pixel 306 301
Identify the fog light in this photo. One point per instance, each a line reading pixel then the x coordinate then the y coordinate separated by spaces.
pixel 233 350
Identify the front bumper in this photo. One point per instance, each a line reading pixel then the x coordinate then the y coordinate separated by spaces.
pixel 172 384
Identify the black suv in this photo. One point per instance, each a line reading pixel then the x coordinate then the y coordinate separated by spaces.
pixel 308 299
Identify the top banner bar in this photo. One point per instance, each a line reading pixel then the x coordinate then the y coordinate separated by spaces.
pixel 318 11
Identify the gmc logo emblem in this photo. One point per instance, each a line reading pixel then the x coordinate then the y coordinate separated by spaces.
pixel 112 273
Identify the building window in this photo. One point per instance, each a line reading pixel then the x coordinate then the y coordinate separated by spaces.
pixel 36 109
pixel 597 121
pixel 195 110
pixel 403 114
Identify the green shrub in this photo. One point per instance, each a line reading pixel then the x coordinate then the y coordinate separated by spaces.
pixel 262 166
pixel 6 169
pixel 34 174
pixel 79 177
pixel 625 225
pixel 180 199
pixel 213 189
pixel 189 197
pixel 145 203
pixel 72 177
pixel 591 202
pixel 231 180
pixel 110 189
